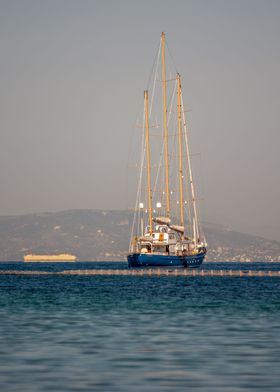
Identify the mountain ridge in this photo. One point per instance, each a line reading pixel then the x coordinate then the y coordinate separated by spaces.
pixel 94 235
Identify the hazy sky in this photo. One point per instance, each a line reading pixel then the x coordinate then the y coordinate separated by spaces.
pixel 72 75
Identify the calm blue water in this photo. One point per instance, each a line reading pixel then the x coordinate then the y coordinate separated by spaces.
pixel 129 333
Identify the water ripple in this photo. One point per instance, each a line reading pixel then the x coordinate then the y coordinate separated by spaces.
pixel 123 333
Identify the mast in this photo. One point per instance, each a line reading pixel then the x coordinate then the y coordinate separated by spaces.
pixel 165 137
pixel 179 120
pixel 148 161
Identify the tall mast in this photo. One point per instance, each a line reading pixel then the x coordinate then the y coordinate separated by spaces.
pixel 179 120
pixel 148 161
pixel 165 126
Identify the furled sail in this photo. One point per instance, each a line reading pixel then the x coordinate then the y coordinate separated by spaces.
pixel 163 220
pixel 178 228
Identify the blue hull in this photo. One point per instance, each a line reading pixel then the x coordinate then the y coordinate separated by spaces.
pixel 154 260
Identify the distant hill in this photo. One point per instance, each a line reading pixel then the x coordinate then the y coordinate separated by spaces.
pixel 104 235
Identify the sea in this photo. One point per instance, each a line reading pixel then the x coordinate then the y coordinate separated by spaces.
pixel 139 333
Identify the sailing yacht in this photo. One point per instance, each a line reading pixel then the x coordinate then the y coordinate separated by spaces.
pixel 166 229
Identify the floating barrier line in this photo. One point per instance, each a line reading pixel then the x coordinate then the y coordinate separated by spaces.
pixel 149 272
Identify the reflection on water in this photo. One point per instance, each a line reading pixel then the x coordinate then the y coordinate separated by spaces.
pixel 129 333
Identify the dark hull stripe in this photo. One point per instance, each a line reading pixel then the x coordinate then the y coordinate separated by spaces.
pixel 153 260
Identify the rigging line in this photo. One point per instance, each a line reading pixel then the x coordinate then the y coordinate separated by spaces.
pixel 162 150
pixel 153 67
pixel 138 194
pixel 154 84
pixel 171 104
pixel 193 194
pixel 188 204
pixel 169 110
pixel 202 179
pixel 167 80
pixel 201 232
pixel 171 56
pixel 143 149
pixel 177 155
pixel 158 171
